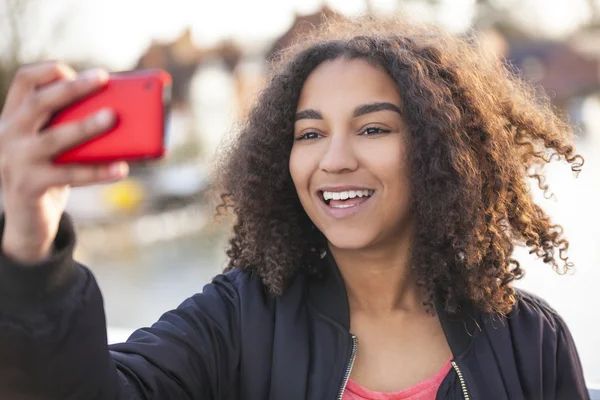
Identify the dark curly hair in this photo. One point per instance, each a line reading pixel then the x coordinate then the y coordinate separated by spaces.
pixel 479 137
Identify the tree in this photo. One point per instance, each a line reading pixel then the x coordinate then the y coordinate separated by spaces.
pixel 18 28
pixel 594 12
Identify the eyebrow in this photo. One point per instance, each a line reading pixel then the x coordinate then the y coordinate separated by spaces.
pixel 374 107
pixel 308 114
pixel 359 111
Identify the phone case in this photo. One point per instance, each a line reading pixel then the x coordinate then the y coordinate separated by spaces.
pixel 141 101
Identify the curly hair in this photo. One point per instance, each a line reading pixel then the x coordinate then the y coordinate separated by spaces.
pixel 479 136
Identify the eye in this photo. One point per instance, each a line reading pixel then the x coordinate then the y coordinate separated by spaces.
pixel 372 131
pixel 308 135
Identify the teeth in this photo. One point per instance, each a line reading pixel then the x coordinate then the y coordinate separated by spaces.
pixel 349 194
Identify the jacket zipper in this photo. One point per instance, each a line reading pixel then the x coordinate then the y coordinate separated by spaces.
pixel 463 384
pixel 349 367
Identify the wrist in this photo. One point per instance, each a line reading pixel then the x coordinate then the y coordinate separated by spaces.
pixel 22 251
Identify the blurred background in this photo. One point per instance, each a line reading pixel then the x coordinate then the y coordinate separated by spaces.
pixel 151 239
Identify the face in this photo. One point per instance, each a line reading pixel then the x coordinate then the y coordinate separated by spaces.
pixel 348 161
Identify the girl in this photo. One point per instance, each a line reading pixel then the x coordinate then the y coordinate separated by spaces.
pixel 379 186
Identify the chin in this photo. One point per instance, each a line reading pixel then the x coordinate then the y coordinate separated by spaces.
pixel 348 239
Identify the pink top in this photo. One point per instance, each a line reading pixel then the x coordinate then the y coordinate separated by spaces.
pixel 425 390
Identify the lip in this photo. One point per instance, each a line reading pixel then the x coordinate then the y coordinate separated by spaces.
pixel 340 213
pixel 342 188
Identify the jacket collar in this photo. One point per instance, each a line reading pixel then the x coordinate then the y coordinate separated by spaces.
pixel 327 295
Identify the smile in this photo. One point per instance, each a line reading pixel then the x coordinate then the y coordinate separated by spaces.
pixel 344 203
pixel 348 194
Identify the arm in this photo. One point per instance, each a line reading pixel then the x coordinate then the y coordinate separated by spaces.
pixel 547 359
pixel 570 383
pixel 191 352
pixel 53 338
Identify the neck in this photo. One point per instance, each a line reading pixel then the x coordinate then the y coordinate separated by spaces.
pixel 379 279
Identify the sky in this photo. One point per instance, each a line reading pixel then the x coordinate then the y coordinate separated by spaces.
pixel 117 31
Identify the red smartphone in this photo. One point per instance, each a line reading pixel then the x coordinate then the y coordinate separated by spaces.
pixel 141 101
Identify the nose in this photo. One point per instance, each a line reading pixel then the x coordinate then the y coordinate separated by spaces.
pixel 339 155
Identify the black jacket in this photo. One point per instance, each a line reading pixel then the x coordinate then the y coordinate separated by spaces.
pixel 233 341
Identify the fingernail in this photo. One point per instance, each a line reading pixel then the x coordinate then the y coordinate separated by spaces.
pixel 118 169
pixel 104 116
pixel 94 75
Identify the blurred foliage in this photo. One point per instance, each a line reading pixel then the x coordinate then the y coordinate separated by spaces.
pixel 7 71
pixel 20 22
pixel 18 26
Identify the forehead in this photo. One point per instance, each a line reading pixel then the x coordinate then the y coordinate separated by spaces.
pixel 347 82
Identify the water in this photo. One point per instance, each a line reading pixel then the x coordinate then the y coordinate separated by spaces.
pixel 139 286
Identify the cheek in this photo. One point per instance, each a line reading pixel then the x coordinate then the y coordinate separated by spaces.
pixel 299 171
pixel 400 194
pixel 390 166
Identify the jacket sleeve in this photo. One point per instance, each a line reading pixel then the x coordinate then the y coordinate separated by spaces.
pixel 570 383
pixel 53 342
pixel 547 361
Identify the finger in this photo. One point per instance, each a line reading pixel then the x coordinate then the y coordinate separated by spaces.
pixel 29 78
pixel 41 104
pixel 81 175
pixel 58 139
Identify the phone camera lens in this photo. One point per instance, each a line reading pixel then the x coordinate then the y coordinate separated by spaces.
pixel 149 85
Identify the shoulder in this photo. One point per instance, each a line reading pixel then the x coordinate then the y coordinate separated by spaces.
pixel 235 282
pixel 532 326
pixel 236 277
pixel 540 337
pixel 244 286
pixel 246 282
pixel 533 321
pixel 531 310
pixel 223 297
